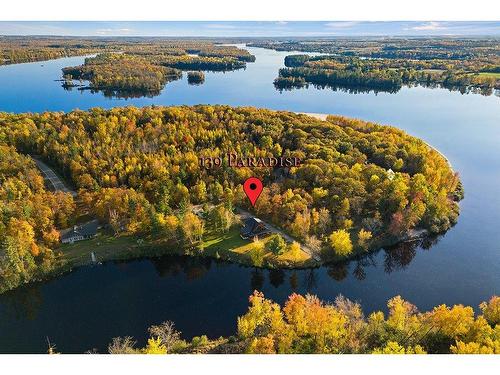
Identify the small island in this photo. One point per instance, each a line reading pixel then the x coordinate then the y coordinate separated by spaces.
pixel 196 78
pixel 359 186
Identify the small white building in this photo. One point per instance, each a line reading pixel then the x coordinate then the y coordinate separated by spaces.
pixel 390 174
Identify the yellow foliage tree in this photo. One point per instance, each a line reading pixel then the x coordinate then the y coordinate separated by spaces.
pixel 340 242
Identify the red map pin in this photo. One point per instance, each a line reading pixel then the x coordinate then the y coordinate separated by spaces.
pixel 252 188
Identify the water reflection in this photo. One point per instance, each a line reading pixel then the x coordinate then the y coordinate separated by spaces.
pixel 395 258
pixel 485 91
pixel 276 277
pixel 23 303
pixel 192 268
pixel 108 93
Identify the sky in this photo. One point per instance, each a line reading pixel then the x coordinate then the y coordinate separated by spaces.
pixel 251 28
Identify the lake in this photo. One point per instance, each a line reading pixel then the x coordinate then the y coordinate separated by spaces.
pixel 85 309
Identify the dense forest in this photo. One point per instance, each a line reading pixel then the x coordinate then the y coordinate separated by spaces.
pixel 187 62
pixel 223 51
pixel 29 216
pixel 137 170
pixel 305 325
pixel 388 74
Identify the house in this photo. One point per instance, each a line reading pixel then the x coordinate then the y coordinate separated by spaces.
pixel 81 232
pixel 252 227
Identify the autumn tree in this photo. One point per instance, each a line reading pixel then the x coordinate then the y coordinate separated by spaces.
pixel 276 245
pixel 192 228
pixel 340 242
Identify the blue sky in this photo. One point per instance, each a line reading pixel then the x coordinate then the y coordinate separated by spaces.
pixel 251 29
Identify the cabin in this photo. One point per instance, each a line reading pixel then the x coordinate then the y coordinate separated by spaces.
pixel 253 227
pixel 81 232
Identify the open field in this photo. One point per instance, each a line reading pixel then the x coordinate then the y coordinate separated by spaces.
pixel 490 74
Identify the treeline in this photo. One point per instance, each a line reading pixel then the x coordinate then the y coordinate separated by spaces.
pixel 29 216
pixel 187 62
pixel 396 48
pixel 141 166
pixel 306 325
pixel 224 51
pixel 17 55
pixel 384 74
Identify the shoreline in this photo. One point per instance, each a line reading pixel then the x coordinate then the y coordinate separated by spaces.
pixel 135 248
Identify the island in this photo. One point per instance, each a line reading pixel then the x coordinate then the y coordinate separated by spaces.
pixel 359 186
pixel 196 78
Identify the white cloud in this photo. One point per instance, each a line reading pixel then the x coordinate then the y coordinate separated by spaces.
pixel 111 31
pixel 429 26
pixel 341 24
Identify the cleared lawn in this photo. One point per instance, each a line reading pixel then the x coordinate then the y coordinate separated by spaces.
pixel 223 241
pixel 489 74
pixel 232 242
pixel 104 246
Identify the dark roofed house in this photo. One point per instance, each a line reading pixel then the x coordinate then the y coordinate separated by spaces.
pixel 85 231
pixel 252 227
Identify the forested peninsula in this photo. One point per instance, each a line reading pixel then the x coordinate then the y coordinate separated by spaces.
pixel 361 74
pixel 360 186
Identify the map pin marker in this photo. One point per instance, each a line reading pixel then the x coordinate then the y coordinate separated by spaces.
pixel 252 188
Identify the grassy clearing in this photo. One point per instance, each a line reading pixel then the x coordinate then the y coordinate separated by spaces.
pixel 232 246
pixel 490 74
pixel 433 70
pixel 105 247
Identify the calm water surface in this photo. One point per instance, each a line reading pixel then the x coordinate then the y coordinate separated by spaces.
pixel 86 308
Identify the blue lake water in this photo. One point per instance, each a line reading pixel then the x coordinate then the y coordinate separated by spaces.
pixel 86 308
